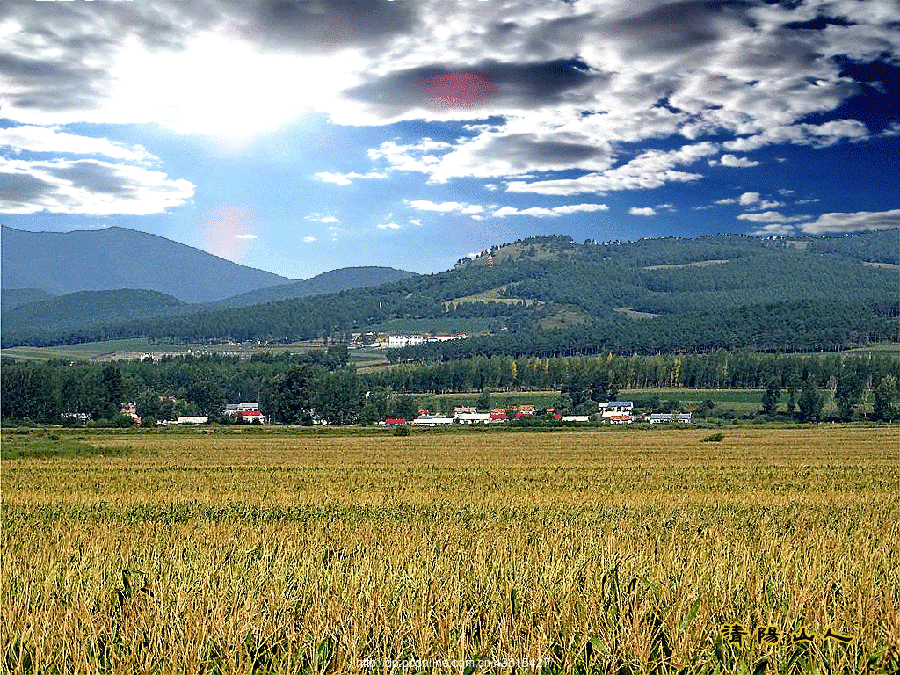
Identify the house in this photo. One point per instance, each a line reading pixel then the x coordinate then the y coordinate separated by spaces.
pixel 619 419
pixel 683 418
pixel 472 418
pixel 397 341
pixel 251 416
pixel 244 412
pixel 464 410
pixel 394 421
pixel 191 420
pixel 130 410
pixel 432 421
pixel 575 418
pixel 616 408
pixel 498 416
pixel 660 418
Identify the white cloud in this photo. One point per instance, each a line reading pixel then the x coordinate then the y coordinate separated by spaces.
pixel 734 161
pixel 648 70
pixel 816 135
pixel 771 217
pixel 773 230
pixel 309 239
pixel 650 169
pixel 642 211
pixel 50 140
pixel 445 207
pixel 87 186
pixel 829 223
pixel 545 212
pixel 754 199
pixel 346 178
pixel 389 226
pixel 245 236
pixel 321 218
pixel 726 201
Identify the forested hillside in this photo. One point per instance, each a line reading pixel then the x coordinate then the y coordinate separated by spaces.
pixel 334 281
pixel 84 309
pixel 725 291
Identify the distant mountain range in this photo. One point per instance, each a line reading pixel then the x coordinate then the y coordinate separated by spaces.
pixel 550 296
pixel 54 282
pixel 114 258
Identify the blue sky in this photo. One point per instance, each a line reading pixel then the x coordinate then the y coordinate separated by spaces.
pixel 299 136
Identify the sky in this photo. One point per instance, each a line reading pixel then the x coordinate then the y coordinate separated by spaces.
pixel 300 136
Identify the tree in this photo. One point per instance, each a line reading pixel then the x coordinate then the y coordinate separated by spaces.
pixel 109 390
pixel 484 400
pixel 810 402
pixel 288 399
pixel 770 397
pixel 884 396
pixel 337 397
pixel 848 392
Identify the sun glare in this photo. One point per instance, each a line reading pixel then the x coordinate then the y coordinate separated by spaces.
pixel 223 88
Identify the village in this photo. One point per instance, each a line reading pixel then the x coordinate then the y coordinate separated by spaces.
pixel 611 412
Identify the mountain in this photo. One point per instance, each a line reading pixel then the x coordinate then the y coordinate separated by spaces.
pixel 85 309
pixel 16 297
pixel 550 295
pixel 328 282
pixel 116 258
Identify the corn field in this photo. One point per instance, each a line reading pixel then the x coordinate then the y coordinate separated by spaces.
pixel 578 551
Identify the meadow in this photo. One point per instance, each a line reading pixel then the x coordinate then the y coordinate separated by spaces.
pixel 576 551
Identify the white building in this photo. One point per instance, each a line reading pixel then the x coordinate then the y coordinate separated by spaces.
pixel 191 420
pixel 472 418
pixel 397 341
pixel 431 421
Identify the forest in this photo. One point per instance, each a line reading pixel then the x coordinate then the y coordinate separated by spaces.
pixel 552 296
pixel 320 385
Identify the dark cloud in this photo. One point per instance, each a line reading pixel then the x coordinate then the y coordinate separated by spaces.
pixel 22 189
pixel 326 24
pixel 527 148
pixel 674 27
pixel 41 84
pixel 515 85
pixel 95 177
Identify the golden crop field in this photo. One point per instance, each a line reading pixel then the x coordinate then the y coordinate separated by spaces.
pixel 577 551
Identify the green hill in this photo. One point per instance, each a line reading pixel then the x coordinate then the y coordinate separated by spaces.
pixel 550 295
pixel 80 311
pixel 327 282
pixel 15 297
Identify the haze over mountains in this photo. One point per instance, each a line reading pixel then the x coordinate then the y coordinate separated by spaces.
pixel 52 281
pixel 113 258
pixel 672 293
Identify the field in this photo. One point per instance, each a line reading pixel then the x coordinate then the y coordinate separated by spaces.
pixel 608 551
pixel 136 348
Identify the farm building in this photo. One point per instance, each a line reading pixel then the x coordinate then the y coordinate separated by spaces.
pixel 432 421
pixel 472 418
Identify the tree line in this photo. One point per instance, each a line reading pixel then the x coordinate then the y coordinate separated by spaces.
pixel 320 385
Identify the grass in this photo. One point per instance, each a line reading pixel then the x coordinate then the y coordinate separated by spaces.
pixel 591 551
pixel 136 348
